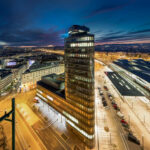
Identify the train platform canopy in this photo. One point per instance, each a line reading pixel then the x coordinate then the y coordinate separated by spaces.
pixel 123 87
pixel 138 67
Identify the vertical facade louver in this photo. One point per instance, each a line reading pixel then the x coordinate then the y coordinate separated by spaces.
pixel 79 82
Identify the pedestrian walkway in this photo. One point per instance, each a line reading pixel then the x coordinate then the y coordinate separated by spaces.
pixel 27 113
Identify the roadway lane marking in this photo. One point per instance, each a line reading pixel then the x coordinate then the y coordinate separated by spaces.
pixel 120 83
pixel 127 87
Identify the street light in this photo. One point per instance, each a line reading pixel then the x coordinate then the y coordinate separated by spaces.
pixel 110 137
pixel 144 118
pixel 132 104
pixel 129 119
pixel 6 115
pixel 142 142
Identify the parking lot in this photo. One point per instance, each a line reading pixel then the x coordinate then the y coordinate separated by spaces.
pixel 129 139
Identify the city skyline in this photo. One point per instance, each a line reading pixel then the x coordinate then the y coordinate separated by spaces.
pixel 45 23
pixel 87 97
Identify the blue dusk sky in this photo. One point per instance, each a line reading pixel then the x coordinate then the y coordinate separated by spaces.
pixel 46 22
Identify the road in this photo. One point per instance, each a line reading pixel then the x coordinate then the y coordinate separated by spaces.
pixel 50 138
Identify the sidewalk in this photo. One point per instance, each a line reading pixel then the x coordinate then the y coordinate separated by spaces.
pixel 141 111
pixel 104 119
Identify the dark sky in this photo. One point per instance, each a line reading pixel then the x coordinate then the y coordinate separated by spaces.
pixel 45 22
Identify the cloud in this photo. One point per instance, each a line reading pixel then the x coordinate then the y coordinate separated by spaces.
pixel 140 31
pixel 108 8
pixel 33 37
pixel 139 35
pixel 2 43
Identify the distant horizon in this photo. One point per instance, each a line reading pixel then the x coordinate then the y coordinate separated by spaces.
pixel 96 44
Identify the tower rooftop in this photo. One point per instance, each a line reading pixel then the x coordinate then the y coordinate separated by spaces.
pixel 75 29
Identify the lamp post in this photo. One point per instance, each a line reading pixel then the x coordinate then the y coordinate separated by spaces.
pixel 129 119
pixel 5 116
pixel 142 142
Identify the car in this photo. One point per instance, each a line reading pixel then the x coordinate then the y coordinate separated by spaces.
pixel 101 94
pixel 103 99
pixel 120 115
pixel 132 138
pixel 116 107
pixel 113 102
pixel 36 101
pixel 110 97
pixel 105 87
pixel 123 121
pixel 104 103
pixel 100 91
pixel 125 125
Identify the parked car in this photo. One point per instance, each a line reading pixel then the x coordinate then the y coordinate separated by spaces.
pixel 103 99
pixel 132 138
pixel 101 94
pixel 113 102
pixel 124 123
pixel 104 103
pixel 105 87
pixel 36 101
pixel 109 95
pixel 116 107
pixel 120 115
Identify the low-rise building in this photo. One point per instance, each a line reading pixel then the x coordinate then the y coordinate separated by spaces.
pixel 5 79
pixel 17 71
pixel 37 71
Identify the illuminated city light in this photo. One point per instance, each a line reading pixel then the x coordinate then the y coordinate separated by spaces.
pixel 70 117
pixel 81 44
pixel 50 98
pixel 39 91
pixel 81 131
pixel 41 96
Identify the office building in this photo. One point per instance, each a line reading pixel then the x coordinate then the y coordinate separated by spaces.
pixel 79 82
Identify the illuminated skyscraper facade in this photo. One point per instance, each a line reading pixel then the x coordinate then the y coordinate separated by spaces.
pixel 79 82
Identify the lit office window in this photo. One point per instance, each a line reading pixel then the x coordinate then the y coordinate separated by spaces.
pixel 81 131
pixel 70 117
pixel 81 44
pixel 41 96
pixel 50 98
pixel 39 91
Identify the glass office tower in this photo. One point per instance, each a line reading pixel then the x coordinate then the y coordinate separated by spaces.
pixel 79 82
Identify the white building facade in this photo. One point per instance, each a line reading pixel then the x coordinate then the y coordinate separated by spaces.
pixel 29 79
